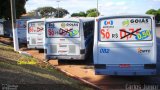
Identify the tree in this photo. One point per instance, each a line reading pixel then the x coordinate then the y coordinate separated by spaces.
pixel 75 15
pixel 51 12
pixel 62 12
pixel 92 12
pixel 46 11
pixel 156 13
pixel 80 14
pixel 89 13
pixel 5 9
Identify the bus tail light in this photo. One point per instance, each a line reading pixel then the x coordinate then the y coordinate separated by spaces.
pixel 124 65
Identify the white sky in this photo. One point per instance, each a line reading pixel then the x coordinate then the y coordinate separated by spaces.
pixel 106 7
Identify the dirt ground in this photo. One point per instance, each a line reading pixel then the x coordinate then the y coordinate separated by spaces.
pixel 85 71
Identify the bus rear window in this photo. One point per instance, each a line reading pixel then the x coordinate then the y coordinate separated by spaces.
pixel 36 27
pixel 125 29
pixel 62 29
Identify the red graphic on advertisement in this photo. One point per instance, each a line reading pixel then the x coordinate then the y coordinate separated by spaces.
pixel 64 31
pixel 50 32
pixel 105 33
pixel 39 29
pixel 127 35
pixel 30 29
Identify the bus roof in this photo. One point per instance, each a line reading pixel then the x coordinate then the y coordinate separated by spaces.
pixel 35 20
pixel 126 15
pixel 70 19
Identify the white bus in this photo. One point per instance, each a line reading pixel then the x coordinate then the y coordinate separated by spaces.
pixel 69 38
pixel 125 45
pixel 1 27
pixel 21 30
pixel 35 33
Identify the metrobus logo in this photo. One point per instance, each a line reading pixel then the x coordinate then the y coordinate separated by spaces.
pixel 108 22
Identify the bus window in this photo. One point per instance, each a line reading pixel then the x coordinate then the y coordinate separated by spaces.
pixel 36 27
pixel 111 30
pixel 62 29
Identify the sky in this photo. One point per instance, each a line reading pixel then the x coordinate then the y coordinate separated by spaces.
pixel 105 7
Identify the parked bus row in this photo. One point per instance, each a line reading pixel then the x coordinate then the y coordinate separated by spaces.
pixel 118 45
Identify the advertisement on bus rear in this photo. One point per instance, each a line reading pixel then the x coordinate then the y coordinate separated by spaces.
pixel 36 27
pixel 62 29
pixel 125 29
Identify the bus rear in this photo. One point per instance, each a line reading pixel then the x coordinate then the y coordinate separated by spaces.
pixel 35 32
pixel 21 30
pixel 125 45
pixel 63 39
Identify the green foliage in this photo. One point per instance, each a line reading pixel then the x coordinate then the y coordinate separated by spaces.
pixel 46 11
pixel 156 13
pixel 91 10
pixel 50 12
pixel 92 14
pixel 5 9
pixel 62 12
pixel 89 13
pixel 80 14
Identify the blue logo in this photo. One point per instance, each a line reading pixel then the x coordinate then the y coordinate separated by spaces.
pixel 108 22
pixel 103 50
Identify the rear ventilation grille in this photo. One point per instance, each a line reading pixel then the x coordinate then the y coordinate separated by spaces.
pixel 33 41
pixel 72 49
pixel 53 49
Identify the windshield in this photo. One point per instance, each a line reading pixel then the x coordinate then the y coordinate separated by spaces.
pixel 36 27
pixel 62 29
pixel 125 29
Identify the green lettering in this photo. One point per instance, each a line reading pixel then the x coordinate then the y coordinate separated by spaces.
pixel 139 36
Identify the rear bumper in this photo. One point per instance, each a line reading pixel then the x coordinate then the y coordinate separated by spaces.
pixel 131 71
pixel 125 73
pixel 67 57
